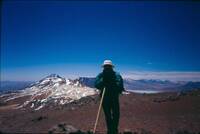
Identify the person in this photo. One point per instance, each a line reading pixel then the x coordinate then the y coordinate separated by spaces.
pixel 113 84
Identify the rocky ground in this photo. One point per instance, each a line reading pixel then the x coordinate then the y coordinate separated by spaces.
pixel 163 113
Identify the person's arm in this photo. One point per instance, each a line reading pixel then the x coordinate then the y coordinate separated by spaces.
pixel 120 83
pixel 99 82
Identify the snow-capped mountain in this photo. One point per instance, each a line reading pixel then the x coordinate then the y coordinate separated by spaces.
pixel 52 89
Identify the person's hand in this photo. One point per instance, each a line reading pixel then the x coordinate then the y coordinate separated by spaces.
pixel 99 97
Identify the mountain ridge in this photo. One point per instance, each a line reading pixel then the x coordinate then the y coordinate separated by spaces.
pixel 129 84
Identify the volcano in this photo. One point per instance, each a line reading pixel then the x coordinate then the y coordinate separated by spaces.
pixel 51 90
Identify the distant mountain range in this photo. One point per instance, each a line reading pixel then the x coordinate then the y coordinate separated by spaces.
pixel 129 84
pixel 9 86
pixel 56 90
pixel 143 84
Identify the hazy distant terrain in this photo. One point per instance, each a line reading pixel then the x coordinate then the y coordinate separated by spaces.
pixel 145 84
pixel 13 85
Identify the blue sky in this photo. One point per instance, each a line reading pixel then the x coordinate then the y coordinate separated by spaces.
pixel 73 38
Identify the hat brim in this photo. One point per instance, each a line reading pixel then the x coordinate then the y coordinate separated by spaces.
pixel 108 65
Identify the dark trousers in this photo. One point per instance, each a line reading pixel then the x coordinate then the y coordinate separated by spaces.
pixel 112 113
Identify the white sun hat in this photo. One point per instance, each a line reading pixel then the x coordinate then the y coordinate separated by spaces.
pixel 107 62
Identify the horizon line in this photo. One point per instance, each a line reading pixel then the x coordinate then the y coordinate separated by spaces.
pixel 135 75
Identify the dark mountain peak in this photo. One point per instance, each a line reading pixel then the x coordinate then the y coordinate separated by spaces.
pixel 53 76
pixel 87 81
pixel 191 85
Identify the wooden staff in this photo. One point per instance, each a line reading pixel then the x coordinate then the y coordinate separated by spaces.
pixel 99 111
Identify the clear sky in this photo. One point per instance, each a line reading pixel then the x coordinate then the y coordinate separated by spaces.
pixel 73 38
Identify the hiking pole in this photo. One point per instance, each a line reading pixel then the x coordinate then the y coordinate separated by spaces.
pixel 98 113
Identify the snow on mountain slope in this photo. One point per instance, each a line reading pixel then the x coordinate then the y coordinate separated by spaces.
pixel 52 89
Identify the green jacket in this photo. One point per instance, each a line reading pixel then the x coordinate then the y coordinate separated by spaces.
pixel 118 86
